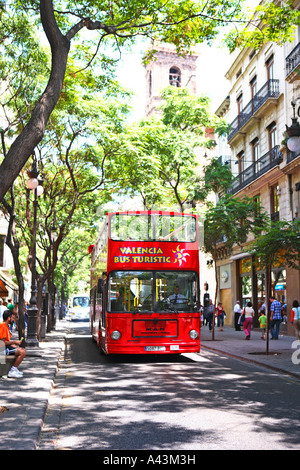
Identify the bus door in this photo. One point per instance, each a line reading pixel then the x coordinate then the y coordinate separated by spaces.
pixel 99 318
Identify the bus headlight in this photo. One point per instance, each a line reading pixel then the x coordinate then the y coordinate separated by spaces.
pixel 193 334
pixel 116 335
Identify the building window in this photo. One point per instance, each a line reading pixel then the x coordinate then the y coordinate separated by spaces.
pixel 240 103
pixel 270 68
pixel 255 150
pixel 241 161
pixel 272 131
pixel 275 203
pixel 175 76
pixel 253 86
pixel 270 75
pixel 252 54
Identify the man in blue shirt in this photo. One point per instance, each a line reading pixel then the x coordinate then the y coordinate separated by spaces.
pixel 275 317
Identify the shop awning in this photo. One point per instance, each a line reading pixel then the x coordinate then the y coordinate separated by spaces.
pixel 244 254
pixel 7 283
pixel 3 290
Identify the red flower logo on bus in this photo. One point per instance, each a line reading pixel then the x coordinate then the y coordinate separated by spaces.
pixel 180 255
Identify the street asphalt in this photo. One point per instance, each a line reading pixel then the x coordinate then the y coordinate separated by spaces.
pixel 23 402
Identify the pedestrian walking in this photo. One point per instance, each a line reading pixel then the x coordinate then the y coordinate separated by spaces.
pixel 220 316
pixel 237 313
pixel 210 313
pixel 249 314
pixel 295 318
pixel 262 324
pixel 275 317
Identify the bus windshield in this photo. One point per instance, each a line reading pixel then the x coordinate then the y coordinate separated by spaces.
pixel 152 291
pixel 151 227
pixel 81 301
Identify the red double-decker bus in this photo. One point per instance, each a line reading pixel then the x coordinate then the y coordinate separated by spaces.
pixel 145 284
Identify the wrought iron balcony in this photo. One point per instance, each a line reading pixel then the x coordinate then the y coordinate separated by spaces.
pixel 292 60
pixel 269 90
pixel 256 169
pixel 291 156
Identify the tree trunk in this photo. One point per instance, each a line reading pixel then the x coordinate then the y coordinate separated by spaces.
pixel 33 132
pixel 216 293
pixel 268 293
pixel 14 246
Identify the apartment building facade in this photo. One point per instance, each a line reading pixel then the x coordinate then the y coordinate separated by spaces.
pixel 262 85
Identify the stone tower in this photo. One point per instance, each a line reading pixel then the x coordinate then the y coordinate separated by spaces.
pixel 168 69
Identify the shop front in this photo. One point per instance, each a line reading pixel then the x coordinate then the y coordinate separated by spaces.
pixel 252 285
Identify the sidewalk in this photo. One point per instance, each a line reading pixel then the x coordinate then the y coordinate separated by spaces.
pixel 283 354
pixel 24 401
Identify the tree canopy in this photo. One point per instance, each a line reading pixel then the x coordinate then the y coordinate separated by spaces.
pixel 98 27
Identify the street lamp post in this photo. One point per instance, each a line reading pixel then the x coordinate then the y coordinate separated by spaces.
pixel 32 340
pixel 293 132
pixel 53 236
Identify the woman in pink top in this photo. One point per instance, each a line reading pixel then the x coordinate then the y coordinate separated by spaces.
pixel 249 314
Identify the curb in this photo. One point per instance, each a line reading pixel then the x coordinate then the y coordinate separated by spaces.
pixel 251 361
pixel 46 403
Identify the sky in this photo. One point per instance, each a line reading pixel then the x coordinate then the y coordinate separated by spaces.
pixel 213 63
pixel 131 74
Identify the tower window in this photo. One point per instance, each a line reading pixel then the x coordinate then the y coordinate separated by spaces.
pixel 150 83
pixel 175 76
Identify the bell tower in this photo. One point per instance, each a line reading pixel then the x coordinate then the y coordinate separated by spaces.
pixel 168 69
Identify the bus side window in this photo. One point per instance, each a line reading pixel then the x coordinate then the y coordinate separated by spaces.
pixel 92 302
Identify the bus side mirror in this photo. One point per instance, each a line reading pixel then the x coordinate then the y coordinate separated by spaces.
pixel 100 286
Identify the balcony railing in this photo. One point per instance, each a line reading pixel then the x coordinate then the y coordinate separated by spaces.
pixel 291 156
pixel 256 169
pixel 269 90
pixel 292 60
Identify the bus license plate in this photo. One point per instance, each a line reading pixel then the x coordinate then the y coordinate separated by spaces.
pixel 155 348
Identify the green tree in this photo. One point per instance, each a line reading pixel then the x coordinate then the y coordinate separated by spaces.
pixel 73 264
pixel 184 111
pixel 229 223
pixel 165 147
pixel 272 21
pixel 73 171
pixel 278 244
pixel 111 24
pixel 217 177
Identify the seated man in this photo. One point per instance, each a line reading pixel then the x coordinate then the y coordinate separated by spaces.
pixel 177 298
pixel 119 304
pixel 12 346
